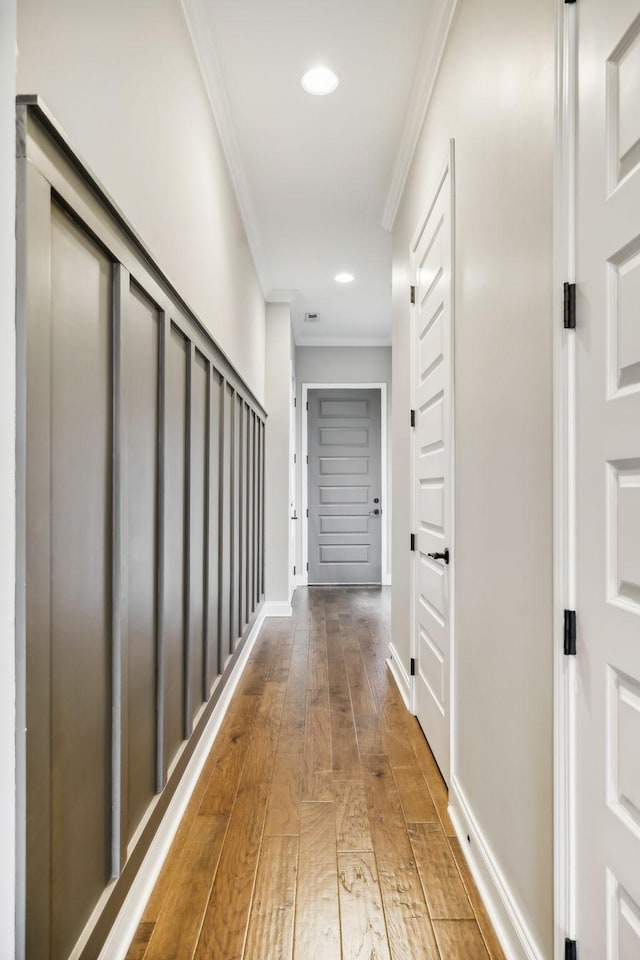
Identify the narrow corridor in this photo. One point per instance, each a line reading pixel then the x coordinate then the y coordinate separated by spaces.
pixel 318 828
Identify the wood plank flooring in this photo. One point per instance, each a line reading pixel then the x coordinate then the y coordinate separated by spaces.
pixel 318 829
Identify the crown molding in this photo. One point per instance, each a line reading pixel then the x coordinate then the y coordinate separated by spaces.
pixel 282 296
pixel 429 62
pixel 336 342
pixel 204 47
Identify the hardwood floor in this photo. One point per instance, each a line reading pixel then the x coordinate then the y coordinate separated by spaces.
pixel 319 828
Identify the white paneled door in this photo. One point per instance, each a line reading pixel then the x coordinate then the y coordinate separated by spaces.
pixel 608 480
pixel 433 474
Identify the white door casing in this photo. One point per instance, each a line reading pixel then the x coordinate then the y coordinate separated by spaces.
pixel 606 736
pixel 293 514
pixel 432 480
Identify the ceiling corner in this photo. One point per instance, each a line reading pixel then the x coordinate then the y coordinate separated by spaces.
pixel 426 75
pixel 206 57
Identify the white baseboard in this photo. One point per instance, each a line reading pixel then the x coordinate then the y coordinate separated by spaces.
pixel 511 928
pixel 277 608
pixel 126 923
pixel 401 677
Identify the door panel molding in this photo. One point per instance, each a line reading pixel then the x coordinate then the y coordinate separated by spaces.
pixel 302 580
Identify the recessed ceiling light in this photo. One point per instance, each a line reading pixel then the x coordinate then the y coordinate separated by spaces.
pixel 345 278
pixel 320 81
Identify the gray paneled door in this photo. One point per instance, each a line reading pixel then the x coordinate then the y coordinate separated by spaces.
pixel 345 508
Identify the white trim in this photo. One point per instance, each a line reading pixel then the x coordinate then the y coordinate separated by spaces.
pixel 277 608
pixel 198 26
pixel 302 341
pixel 299 581
pixel 122 932
pixel 386 580
pixel 511 927
pixel 400 675
pixel 385 572
pixel 429 62
pixel 564 482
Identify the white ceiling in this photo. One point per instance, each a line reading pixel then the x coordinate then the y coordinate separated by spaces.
pixel 313 174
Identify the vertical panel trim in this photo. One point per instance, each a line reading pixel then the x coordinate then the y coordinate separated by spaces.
pixel 118 612
pixel 186 626
pixel 206 539
pixel 161 559
pixel 221 466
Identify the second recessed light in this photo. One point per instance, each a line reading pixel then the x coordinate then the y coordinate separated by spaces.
pixel 344 278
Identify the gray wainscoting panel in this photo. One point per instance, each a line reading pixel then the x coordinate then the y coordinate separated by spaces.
pixel 140 330
pixel 176 366
pixel 141 475
pixel 198 540
pixel 81 313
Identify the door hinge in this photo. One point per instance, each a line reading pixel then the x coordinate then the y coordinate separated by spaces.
pixel 570 633
pixel 413 541
pixel 295 458
pixel 294 571
pixel 413 418
pixel 307 458
pixel 307 404
pixel 307 568
pixel 570 946
pixel 295 401
pixel 307 512
pixel 413 666
pixel 413 294
pixel 569 306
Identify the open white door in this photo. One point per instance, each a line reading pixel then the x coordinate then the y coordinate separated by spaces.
pixel 432 341
pixel 608 480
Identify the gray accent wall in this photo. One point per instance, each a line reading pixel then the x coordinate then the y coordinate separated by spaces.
pixel 7 477
pixel 495 96
pixel 343 365
pixel 141 473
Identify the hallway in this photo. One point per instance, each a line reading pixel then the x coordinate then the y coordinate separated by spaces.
pixel 318 828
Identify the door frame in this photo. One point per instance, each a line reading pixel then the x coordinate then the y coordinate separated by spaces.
pixel 447 168
pixel 564 480
pixel 384 479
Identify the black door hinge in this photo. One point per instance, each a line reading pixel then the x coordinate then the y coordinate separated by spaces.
pixel 295 401
pixel 307 404
pixel 294 571
pixel 295 458
pixel 413 294
pixel 570 946
pixel 413 418
pixel 569 306
pixel 307 512
pixel 307 568
pixel 307 458
pixel 570 633
pixel 413 666
pixel 413 541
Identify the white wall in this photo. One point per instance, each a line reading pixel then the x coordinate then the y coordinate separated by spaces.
pixel 278 376
pixel 7 476
pixel 495 96
pixel 122 80
pixel 343 365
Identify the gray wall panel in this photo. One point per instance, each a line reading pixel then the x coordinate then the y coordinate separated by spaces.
pixel 81 279
pixel 176 361
pixel 141 337
pixel 143 484
pixel 198 540
pixel 213 573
